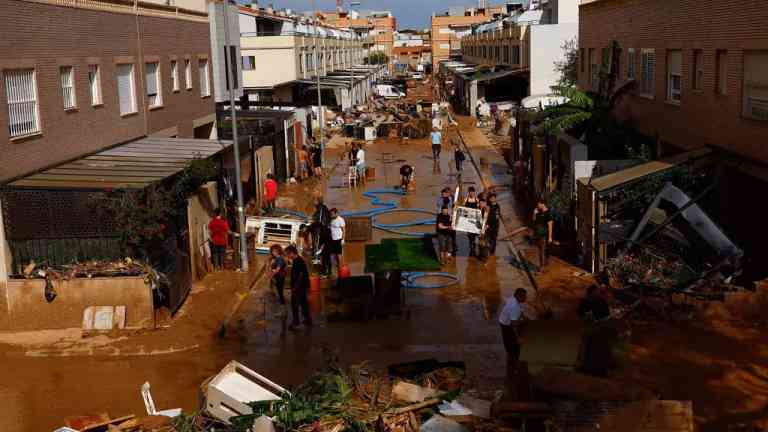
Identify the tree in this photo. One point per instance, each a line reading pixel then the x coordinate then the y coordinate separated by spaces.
pixel 376 58
pixel 568 66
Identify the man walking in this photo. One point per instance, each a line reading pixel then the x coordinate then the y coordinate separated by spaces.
pixel 510 319
pixel 493 222
pixel 321 229
pixel 458 156
pixel 336 248
pixel 218 229
pixel 360 164
pixel 542 231
pixel 270 193
pixel 299 288
pixel 437 142
pixel 278 271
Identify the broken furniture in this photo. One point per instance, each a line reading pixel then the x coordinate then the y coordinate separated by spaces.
pixel 149 404
pixel 283 231
pixel 228 393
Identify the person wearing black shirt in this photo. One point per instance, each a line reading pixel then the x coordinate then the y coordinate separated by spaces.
pixel 299 288
pixel 492 224
pixel 458 156
pixel 406 175
pixel 594 305
pixel 444 229
pixel 473 202
pixel 321 229
pixel 542 230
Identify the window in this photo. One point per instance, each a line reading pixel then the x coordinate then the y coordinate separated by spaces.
pixel 516 54
pixel 631 64
pixel 21 94
pixel 249 62
pixel 721 58
pixel 94 84
pixel 756 85
pixel 154 90
pixel 126 89
pixel 301 63
pixel 67 76
pixel 581 60
pixel 205 89
pixel 648 71
pixel 594 71
pixel 674 75
pixel 188 73
pixel 697 77
pixel 174 75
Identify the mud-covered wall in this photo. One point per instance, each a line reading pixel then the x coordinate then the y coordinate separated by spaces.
pixel 23 305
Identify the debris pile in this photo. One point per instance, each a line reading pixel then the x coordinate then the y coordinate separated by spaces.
pixel 89 269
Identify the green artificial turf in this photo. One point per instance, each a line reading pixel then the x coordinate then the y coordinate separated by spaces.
pixel 401 254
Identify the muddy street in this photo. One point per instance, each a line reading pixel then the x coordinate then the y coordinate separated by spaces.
pixel 455 323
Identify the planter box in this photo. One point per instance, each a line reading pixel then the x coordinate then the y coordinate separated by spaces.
pixel 26 307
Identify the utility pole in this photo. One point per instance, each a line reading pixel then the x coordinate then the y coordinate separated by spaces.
pixel 232 69
pixel 320 115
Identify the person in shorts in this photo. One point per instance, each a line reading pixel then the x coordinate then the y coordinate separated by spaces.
pixel 444 228
pixel 406 175
pixel 338 229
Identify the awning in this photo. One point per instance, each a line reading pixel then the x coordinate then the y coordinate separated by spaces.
pixel 130 166
pixel 490 76
pixel 610 181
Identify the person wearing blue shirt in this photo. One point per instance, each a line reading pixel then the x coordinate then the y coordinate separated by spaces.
pixel 437 142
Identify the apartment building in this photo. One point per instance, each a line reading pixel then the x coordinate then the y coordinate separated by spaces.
pixel 64 95
pixel 380 25
pixel 282 55
pixel 412 50
pixel 530 39
pixel 701 79
pixel 448 29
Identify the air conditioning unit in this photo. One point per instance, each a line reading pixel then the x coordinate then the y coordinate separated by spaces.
pixel 274 230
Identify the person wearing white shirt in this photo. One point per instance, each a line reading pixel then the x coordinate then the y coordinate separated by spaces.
pixel 338 226
pixel 512 314
pixel 360 158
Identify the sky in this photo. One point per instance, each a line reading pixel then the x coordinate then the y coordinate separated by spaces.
pixel 410 14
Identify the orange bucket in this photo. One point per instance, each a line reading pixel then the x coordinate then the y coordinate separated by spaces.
pixel 314 283
pixel 344 272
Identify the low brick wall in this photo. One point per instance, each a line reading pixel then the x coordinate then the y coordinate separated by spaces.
pixel 25 308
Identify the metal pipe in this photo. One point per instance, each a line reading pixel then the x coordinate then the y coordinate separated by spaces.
pixel 235 145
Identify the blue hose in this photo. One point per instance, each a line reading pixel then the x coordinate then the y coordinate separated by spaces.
pixel 383 207
pixel 411 277
pixel 390 207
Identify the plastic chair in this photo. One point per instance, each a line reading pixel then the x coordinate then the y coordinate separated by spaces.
pixel 352 177
pixel 149 404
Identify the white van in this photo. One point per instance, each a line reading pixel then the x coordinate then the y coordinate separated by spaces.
pixel 389 91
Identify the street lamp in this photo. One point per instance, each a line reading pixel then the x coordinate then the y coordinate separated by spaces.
pixel 320 116
pixel 232 68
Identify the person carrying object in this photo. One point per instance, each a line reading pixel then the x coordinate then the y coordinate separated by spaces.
pixel 473 202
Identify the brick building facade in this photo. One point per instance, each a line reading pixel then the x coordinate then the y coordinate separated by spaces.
pixel 93 39
pixel 701 74
pixel 693 43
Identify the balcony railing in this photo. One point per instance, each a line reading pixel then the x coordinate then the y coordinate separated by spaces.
pixel 129 7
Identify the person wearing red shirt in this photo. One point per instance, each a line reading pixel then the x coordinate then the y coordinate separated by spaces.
pixel 218 228
pixel 270 192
